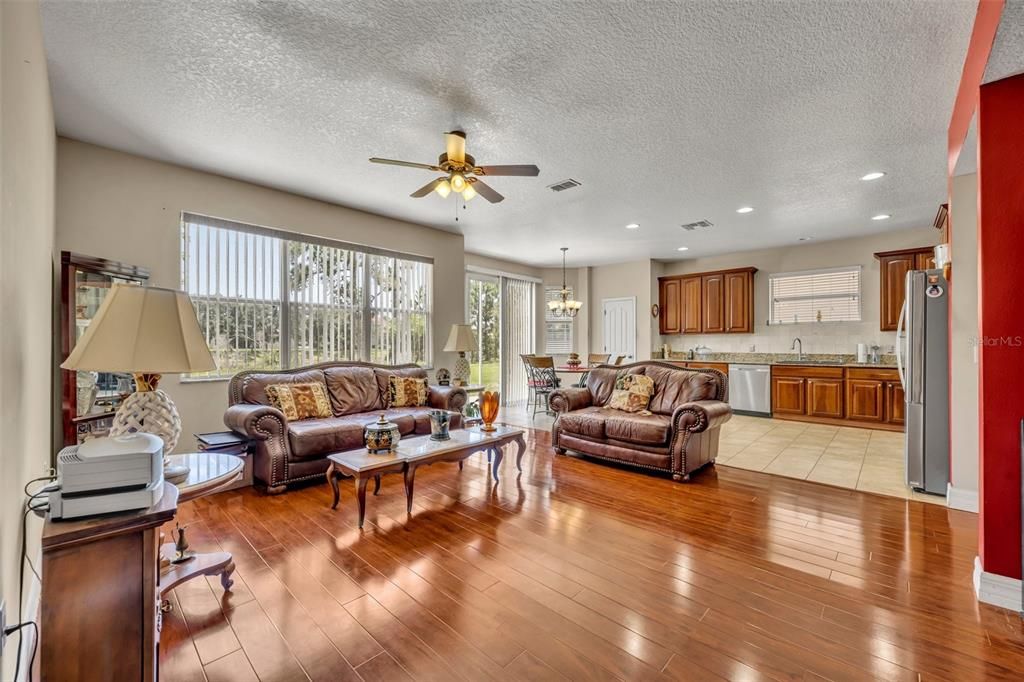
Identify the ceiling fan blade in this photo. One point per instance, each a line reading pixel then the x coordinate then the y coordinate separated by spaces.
pixel 407 164
pixel 426 189
pixel 486 191
pixel 523 169
pixel 455 146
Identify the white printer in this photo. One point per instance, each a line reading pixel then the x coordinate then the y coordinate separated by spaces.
pixel 107 475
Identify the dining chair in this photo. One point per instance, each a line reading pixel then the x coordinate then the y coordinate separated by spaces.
pixel 598 358
pixel 543 380
pixel 618 360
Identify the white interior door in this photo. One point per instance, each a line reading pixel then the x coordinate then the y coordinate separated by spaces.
pixel 619 327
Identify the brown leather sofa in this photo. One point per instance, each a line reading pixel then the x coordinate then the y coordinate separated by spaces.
pixel 679 436
pixel 287 452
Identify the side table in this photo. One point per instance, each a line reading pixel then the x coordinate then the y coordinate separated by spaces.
pixel 209 472
pixel 229 443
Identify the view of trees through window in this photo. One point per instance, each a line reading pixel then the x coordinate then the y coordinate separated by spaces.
pixel 265 301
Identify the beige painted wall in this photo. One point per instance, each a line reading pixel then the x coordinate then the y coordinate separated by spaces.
pixel 128 208
pixel 964 328
pixel 26 271
pixel 835 337
pixel 622 280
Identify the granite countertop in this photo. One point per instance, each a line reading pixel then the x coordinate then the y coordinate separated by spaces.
pixel 819 359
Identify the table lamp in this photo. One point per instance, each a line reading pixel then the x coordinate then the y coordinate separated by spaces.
pixel 460 340
pixel 147 332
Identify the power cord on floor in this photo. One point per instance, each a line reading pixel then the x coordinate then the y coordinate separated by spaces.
pixel 21 637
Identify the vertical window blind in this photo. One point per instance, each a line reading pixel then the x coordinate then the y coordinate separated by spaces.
pixel 831 295
pixel 268 299
pixel 557 330
pixel 518 311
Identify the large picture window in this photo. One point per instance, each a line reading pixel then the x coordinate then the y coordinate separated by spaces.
pixel 831 295
pixel 268 299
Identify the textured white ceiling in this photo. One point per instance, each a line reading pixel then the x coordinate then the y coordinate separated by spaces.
pixel 1007 56
pixel 667 112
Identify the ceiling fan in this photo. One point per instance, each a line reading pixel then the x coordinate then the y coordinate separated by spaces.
pixel 462 175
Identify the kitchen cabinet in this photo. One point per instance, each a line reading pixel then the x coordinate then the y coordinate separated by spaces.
pixel 691 304
pixel 895 407
pixel 825 398
pixel 893 269
pixel 720 302
pixel 865 400
pixel 789 395
pixel 739 302
pixel 713 303
pixel 869 397
pixel 670 303
pixel 700 364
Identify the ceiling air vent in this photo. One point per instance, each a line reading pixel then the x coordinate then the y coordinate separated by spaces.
pixel 564 185
pixel 699 225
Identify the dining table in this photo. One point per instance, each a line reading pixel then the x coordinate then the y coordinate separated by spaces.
pixel 578 370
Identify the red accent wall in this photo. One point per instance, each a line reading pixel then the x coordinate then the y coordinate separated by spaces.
pixel 1001 311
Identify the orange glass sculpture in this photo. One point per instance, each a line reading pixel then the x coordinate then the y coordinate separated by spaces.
pixel 488 409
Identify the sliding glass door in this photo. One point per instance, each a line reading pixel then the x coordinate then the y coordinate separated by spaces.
pixel 501 312
pixel 483 312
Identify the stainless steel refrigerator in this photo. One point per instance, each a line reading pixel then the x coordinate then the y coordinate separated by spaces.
pixel 922 357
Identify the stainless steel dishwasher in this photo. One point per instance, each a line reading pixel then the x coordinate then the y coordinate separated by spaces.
pixel 750 389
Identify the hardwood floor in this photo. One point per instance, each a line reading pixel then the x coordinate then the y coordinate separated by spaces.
pixel 584 571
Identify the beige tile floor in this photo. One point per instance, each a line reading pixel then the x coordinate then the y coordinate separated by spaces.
pixel 858 459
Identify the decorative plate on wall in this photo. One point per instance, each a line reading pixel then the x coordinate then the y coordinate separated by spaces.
pixel 655 310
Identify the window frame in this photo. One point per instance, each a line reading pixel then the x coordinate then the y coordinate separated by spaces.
pixel 284 299
pixel 858 269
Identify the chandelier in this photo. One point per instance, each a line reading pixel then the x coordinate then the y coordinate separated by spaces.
pixel 565 306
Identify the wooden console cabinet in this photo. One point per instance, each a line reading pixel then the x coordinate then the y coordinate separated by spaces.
pixel 893 267
pixel 101 595
pixel 848 396
pixel 719 302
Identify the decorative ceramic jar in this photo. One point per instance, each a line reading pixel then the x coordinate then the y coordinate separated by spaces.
pixel 444 377
pixel 489 409
pixel 574 360
pixel 439 420
pixel 381 436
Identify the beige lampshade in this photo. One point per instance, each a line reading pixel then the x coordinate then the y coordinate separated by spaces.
pixel 460 339
pixel 143 330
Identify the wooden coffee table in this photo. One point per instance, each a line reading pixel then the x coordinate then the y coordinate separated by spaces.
pixel 418 451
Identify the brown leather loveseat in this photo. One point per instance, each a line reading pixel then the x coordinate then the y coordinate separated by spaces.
pixel 287 452
pixel 678 433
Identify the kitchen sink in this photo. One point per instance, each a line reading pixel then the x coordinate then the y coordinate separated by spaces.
pixel 809 362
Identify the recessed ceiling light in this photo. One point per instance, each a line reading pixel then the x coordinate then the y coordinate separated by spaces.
pixel 745 209
pixel 633 226
pixel 881 216
pixel 683 248
pixel 874 175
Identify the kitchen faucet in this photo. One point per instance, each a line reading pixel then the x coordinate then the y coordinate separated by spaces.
pixel 798 345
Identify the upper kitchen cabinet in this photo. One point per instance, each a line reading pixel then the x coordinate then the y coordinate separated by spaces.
pixel 670 303
pixel 893 269
pixel 720 302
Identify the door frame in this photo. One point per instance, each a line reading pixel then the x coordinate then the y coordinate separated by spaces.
pixel 604 317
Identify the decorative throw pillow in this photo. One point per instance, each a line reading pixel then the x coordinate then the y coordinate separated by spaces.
pixel 406 391
pixel 300 401
pixel 632 393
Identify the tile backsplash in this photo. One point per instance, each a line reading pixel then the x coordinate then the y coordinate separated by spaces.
pixel 823 337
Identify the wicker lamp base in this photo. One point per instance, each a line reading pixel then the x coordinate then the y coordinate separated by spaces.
pixel 152 412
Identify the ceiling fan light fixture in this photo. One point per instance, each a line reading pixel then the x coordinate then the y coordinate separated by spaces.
pixel 458 182
pixel 468 193
pixel 443 188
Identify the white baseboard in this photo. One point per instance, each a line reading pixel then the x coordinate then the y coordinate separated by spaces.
pixel 997 590
pixel 962 499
